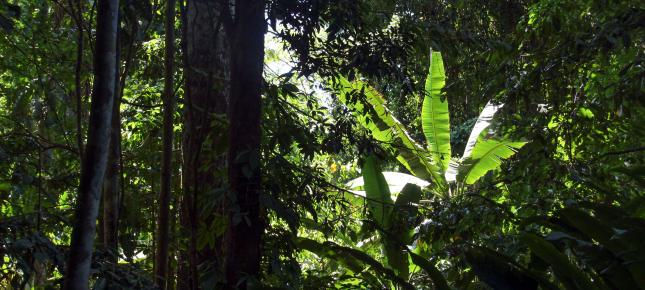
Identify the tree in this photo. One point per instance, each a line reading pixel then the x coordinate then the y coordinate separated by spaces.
pixel 480 156
pixel 96 150
pixel 163 227
pixel 206 69
pixel 245 226
pixel 112 183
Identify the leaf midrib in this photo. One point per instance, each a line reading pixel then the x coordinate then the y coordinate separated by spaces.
pixel 483 157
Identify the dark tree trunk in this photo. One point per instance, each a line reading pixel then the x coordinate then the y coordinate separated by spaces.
pixel 77 74
pixel 244 233
pixel 206 70
pixel 171 280
pixel 96 150
pixel 161 256
pixel 111 184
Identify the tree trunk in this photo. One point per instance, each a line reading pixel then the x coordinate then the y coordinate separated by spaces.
pixel 206 70
pixel 96 150
pixel 77 75
pixel 173 269
pixel 244 233
pixel 111 184
pixel 161 256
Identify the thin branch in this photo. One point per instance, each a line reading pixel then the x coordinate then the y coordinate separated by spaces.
pixel 141 105
pixel 621 152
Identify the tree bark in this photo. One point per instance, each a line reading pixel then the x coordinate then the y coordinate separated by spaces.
pixel 244 233
pixel 161 256
pixel 96 150
pixel 111 184
pixel 77 74
pixel 206 70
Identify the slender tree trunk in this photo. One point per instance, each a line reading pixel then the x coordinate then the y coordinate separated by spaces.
pixel 171 280
pixel 161 256
pixel 244 233
pixel 186 259
pixel 111 184
pixel 77 75
pixel 206 70
pixel 96 151
pixel 113 187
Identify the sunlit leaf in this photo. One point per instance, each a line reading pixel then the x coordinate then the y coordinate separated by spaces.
pixel 435 117
pixel 377 192
pixel 370 110
pixel 486 156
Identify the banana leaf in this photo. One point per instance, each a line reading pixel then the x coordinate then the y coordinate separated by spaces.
pixel 572 277
pixel 353 259
pixel 377 192
pixel 468 168
pixel 392 225
pixel 435 116
pixel 370 110
pixel 497 272
pixel 486 156
pixel 484 120
pixel 396 181
pixel 628 248
pixel 438 280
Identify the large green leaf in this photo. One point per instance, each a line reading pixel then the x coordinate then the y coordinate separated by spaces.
pixel 353 259
pixel 392 218
pixel 396 256
pixel 494 269
pixel 410 195
pixel 371 112
pixel 438 280
pixel 627 248
pixel 405 211
pixel 401 233
pixel 487 155
pixel 396 181
pixel 567 272
pixel 377 192
pixel 483 121
pixel 435 117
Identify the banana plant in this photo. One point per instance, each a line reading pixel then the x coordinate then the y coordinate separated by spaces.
pixel 393 216
pixel 392 198
pixel 388 193
pixel 433 163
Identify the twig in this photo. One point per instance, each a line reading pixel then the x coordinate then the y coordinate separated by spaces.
pixel 614 153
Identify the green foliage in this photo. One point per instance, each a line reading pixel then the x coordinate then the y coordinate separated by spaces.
pixel 370 110
pixel 486 156
pixel 385 213
pixel 497 272
pixel 567 213
pixel 437 278
pixel 435 117
pixel 377 193
pixel 355 260
pixel 7 12
pixel 583 252
pixel 567 272
pixel 480 156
